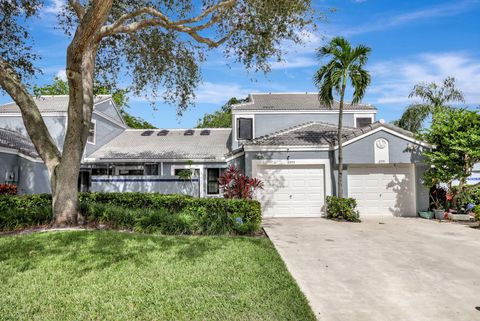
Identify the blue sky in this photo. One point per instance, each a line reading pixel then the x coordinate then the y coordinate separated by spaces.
pixel 411 41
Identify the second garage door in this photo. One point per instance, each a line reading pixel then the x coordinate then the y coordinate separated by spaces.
pixel 382 189
pixel 291 190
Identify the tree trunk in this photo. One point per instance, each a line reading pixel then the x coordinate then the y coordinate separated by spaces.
pixel 65 195
pixel 339 139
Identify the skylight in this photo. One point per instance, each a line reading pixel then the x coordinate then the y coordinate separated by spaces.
pixel 163 132
pixel 147 133
pixel 189 132
pixel 205 132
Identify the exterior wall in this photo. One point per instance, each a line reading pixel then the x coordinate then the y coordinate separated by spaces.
pixel 265 124
pixel 363 150
pixel 33 177
pixel 57 126
pixel 8 162
pixel 423 198
pixel 105 131
pixel 109 109
pixel 166 183
pixel 145 184
pixel 238 162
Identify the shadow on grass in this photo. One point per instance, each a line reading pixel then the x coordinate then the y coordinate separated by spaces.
pixel 97 250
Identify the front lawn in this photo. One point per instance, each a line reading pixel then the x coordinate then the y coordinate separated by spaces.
pixel 98 275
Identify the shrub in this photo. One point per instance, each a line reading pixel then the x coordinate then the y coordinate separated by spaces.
pixel 476 211
pixel 342 209
pixel 8 189
pixel 166 214
pixel 235 184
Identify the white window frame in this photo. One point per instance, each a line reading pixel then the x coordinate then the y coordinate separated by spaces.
pixel 355 116
pixel 159 170
pixel 118 168
pixel 94 122
pixel 252 117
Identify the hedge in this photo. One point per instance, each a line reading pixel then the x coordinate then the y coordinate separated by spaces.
pixel 142 212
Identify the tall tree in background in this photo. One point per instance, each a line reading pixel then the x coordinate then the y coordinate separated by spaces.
pixel 221 118
pixel 434 99
pixel 345 65
pixel 119 96
pixel 455 135
pixel 154 43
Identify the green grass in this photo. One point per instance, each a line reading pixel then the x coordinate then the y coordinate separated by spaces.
pixel 102 275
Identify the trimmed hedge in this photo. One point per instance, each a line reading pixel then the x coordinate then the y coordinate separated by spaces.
pixel 342 209
pixel 142 212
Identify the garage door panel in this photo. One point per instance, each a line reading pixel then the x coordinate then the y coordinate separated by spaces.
pixel 382 190
pixel 291 190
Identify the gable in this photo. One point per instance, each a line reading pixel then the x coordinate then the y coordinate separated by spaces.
pixel 392 147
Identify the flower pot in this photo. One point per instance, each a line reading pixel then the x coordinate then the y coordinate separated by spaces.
pixel 426 214
pixel 439 214
pixel 459 217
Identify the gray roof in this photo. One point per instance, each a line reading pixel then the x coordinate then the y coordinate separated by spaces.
pixel 48 104
pixel 133 144
pixel 292 101
pixel 317 133
pixel 15 140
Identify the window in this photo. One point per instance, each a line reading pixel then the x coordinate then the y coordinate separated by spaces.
pixel 245 128
pixel 151 169
pixel 99 171
pixel 125 172
pixel 179 171
pixel 213 187
pixel 91 133
pixel 362 122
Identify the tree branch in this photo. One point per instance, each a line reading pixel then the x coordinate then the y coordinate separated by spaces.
pixel 36 128
pixel 78 8
pixel 161 20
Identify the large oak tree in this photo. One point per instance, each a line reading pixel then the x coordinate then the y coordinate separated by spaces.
pixel 159 44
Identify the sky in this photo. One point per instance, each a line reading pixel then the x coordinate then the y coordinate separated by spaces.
pixel 411 41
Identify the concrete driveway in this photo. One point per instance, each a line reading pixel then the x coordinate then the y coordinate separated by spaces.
pixel 383 269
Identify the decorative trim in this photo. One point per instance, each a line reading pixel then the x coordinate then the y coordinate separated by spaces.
pixel 356 115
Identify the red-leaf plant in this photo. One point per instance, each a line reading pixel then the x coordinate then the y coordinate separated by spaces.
pixel 235 184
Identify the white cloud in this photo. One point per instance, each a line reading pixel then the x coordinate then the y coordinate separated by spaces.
pixel 444 10
pixel 393 80
pixel 299 55
pixel 62 74
pixel 54 7
pixel 219 93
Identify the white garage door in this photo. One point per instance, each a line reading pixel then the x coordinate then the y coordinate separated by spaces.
pixel 383 189
pixel 291 190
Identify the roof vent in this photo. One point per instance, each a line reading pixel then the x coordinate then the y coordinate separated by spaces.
pixel 205 132
pixel 163 132
pixel 189 132
pixel 268 107
pixel 147 133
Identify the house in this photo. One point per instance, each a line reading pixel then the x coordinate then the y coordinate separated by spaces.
pixel 288 140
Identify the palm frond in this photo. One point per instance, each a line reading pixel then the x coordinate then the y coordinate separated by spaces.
pixel 360 79
pixel 414 116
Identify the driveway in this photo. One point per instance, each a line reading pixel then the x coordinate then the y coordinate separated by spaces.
pixel 383 269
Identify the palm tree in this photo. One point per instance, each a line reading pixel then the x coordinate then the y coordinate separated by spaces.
pixel 345 66
pixel 434 98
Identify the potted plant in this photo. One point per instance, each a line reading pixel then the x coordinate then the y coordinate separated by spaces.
pixel 438 195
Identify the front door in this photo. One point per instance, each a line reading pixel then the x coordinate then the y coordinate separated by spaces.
pixel 84 181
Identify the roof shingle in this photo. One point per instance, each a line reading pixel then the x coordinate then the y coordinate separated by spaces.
pixel 15 140
pixel 174 145
pixel 292 101
pixel 317 133
pixel 48 104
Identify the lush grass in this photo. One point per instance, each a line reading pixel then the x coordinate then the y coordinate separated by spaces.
pixel 101 275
